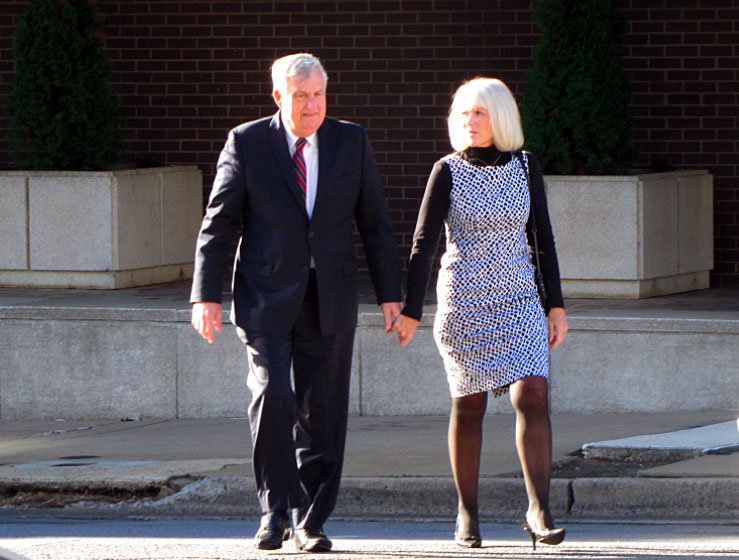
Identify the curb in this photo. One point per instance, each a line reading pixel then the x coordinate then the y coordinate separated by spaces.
pixel 501 499
pixel 10 555
pixel 661 499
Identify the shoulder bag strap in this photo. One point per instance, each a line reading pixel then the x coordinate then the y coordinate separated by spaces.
pixel 539 276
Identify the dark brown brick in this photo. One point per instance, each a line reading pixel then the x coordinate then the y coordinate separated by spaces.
pixel 186 72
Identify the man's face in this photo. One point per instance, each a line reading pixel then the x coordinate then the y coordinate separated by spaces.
pixel 303 105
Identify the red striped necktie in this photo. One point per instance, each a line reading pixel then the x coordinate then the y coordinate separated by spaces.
pixel 299 163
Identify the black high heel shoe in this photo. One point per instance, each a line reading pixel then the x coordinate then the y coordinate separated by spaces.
pixel 466 540
pixel 547 536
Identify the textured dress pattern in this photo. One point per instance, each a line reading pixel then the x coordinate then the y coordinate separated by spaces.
pixel 490 327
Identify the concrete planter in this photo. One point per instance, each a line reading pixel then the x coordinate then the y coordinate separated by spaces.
pixel 102 230
pixel 633 236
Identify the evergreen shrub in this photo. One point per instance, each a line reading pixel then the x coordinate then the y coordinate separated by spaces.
pixel 575 108
pixel 63 110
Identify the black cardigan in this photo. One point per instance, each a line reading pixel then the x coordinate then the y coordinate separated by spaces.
pixel 432 214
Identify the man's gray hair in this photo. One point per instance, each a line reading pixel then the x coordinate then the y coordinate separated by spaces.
pixel 295 67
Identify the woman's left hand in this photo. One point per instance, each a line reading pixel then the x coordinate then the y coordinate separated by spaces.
pixel 406 328
pixel 557 322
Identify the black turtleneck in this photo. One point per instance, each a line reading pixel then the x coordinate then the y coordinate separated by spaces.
pixel 490 156
pixel 433 211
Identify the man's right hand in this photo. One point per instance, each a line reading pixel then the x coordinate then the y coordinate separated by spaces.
pixel 207 319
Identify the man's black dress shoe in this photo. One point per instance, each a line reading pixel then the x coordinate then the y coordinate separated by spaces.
pixel 273 529
pixel 312 541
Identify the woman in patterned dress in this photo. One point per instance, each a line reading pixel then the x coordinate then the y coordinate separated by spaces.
pixel 490 327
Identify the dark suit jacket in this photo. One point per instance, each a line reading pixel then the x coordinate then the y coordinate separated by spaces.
pixel 255 187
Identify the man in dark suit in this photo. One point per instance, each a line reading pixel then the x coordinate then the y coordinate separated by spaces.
pixel 294 184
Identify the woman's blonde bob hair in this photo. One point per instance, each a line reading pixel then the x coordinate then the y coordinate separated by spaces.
pixel 494 96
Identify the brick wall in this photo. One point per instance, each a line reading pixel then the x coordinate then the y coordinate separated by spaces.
pixel 683 61
pixel 187 71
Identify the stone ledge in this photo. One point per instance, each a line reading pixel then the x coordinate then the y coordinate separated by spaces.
pixel 142 357
pixel 617 321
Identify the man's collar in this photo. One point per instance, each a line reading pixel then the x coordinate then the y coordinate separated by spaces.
pixel 291 138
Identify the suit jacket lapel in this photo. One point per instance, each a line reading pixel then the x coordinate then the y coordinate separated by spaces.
pixel 278 143
pixel 326 151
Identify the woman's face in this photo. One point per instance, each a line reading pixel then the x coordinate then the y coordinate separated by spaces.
pixel 476 123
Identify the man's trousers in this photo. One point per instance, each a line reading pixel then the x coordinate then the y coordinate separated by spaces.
pixel 298 422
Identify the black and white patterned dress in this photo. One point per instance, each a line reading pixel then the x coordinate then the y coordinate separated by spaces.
pixel 490 327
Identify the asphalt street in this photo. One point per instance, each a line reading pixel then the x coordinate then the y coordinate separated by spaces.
pixel 211 539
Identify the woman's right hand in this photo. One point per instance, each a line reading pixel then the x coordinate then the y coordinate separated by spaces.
pixel 406 328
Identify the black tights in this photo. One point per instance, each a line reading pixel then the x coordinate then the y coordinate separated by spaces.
pixel 533 442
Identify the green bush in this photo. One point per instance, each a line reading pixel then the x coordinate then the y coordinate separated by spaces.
pixel 63 111
pixel 575 109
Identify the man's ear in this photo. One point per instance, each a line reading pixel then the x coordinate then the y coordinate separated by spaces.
pixel 277 97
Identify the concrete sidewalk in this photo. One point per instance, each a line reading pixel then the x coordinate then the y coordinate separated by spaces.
pixel 395 466
pixel 674 463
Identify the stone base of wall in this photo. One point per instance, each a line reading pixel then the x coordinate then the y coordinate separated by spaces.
pixel 636 289
pixel 84 362
pixel 96 280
